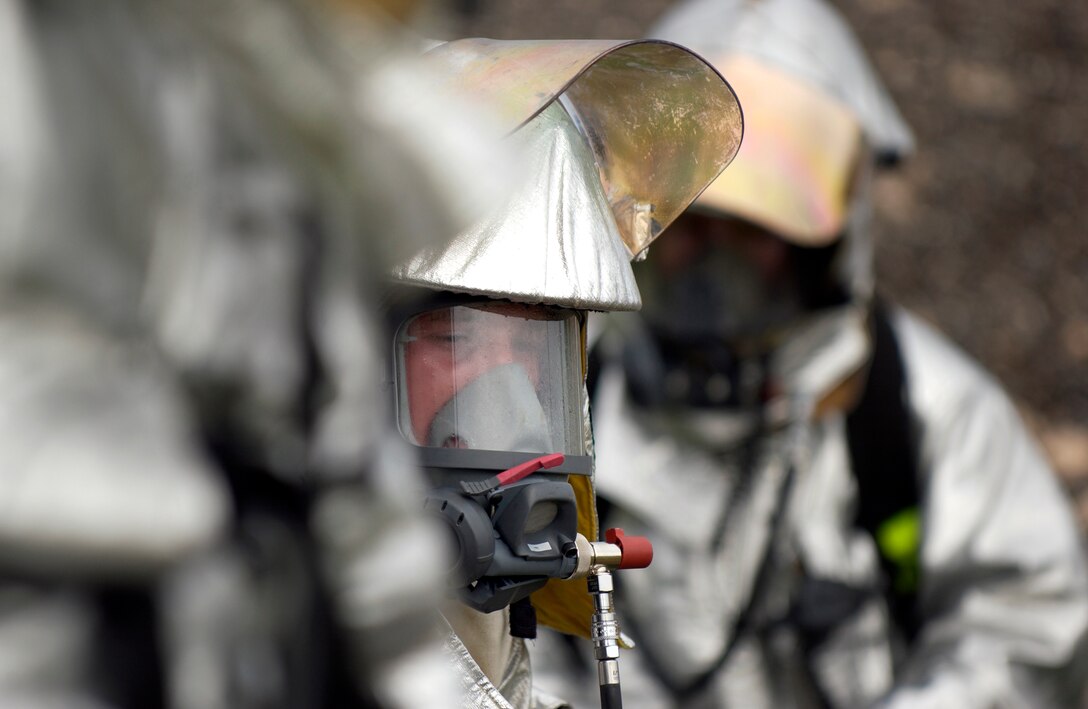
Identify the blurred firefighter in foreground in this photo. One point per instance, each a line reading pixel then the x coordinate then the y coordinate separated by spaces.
pixel 613 141
pixel 200 509
pixel 846 510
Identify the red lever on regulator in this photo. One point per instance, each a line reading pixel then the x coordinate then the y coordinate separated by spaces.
pixel 519 472
pixel 513 475
pixel 635 552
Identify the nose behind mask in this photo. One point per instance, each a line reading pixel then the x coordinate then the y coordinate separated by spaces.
pixel 509 541
pixel 499 410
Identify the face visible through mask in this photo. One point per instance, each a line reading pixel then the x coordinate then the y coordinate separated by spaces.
pixel 491 376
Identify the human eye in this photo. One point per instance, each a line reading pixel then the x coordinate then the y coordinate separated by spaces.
pixel 452 338
pixel 432 330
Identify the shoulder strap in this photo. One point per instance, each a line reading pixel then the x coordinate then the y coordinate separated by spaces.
pixel 883 455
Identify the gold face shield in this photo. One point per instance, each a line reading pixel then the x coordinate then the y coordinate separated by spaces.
pixel 791 177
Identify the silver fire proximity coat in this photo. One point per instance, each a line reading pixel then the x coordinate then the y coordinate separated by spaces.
pixel 194 211
pixel 764 591
pixel 1003 593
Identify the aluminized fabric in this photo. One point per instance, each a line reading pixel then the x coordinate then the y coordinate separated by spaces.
pixel 662 123
pixel 478 691
pixel 805 38
pixel 1004 589
pixel 554 241
pixel 516 690
pixel 190 200
pixel 808 40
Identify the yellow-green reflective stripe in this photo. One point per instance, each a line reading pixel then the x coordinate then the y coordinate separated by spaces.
pixel 899 537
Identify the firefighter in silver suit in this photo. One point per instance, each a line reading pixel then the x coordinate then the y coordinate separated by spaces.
pixel 199 199
pixel 846 510
pixel 612 141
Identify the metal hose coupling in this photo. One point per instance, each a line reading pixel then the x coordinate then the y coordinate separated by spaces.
pixel 596 561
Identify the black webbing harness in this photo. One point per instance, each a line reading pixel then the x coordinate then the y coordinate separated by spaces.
pixel 884 458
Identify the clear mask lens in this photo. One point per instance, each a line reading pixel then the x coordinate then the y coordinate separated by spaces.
pixel 493 376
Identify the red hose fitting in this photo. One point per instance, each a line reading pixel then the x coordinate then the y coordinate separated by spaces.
pixel 636 552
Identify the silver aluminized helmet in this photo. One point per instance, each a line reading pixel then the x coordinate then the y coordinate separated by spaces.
pixel 615 138
pixel 805 38
pixel 799 177
pixel 815 111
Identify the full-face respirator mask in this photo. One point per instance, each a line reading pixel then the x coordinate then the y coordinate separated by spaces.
pixel 492 394
pixel 721 295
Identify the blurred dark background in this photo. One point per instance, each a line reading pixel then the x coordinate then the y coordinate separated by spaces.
pixel 983 231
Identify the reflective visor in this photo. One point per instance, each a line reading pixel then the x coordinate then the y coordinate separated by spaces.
pixel 661 122
pixel 495 376
pixel 793 173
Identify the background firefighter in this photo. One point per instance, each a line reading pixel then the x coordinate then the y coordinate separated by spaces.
pixel 854 512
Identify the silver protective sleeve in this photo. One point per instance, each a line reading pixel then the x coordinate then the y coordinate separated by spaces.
pixel 1004 592
pixel 163 189
pixel 95 436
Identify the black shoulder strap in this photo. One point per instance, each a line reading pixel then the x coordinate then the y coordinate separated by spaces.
pixel 883 455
